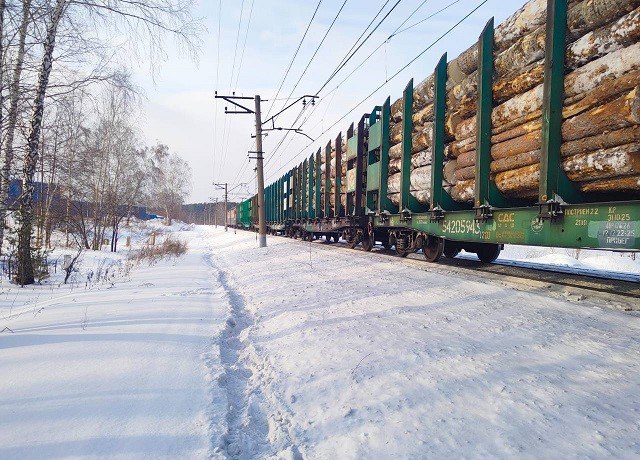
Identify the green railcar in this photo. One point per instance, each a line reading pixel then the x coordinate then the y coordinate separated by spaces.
pixel 307 202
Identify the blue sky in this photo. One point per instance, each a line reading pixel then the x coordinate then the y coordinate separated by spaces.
pixel 180 109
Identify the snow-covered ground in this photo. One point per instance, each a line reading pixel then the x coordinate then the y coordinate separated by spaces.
pixel 299 350
pixel 585 259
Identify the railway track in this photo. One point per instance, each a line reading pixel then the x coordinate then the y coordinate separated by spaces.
pixel 608 289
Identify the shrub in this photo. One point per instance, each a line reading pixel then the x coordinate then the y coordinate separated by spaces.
pixel 170 247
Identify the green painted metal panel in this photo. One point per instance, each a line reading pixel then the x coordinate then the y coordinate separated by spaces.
pixel 373 176
pixel 384 203
pixel 352 147
pixel 310 209
pixel 303 188
pixel 596 225
pixel 327 180
pixel 338 179
pixel 375 135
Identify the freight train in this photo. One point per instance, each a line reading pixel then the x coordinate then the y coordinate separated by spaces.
pixel 530 137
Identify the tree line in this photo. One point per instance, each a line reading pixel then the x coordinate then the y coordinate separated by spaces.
pixel 68 119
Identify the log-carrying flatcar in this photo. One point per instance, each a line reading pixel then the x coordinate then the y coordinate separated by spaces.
pixel 531 136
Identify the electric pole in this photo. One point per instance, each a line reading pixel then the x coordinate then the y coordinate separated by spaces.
pixel 262 222
pixel 225 186
pixel 215 213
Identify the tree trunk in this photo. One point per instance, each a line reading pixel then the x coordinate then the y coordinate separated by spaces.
pixel 24 273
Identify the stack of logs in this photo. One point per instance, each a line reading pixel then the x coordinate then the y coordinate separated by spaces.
pixel 343 177
pixel 600 131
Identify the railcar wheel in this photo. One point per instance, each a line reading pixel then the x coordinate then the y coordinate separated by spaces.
pixel 401 246
pixel 450 250
pixel 310 236
pixel 487 253
pixel 432 248
pixel 336 238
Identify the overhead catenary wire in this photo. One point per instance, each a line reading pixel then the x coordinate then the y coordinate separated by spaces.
pixel 364 32
pixel 225 133
pixel 353 52
pixel 431 45
pixel 317 48
pixel 215 119
pixel 284 77
pixel 244 46
pixel 365 60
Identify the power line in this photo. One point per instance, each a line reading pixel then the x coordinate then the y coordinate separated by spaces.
pixel 318 47
pixel 364 32
pixel 387 81
pixel 344 61
pixel 215 119
pixel 307 67
pixel 244 46
pixel 428 17
pixel 225 133
pixel 293 58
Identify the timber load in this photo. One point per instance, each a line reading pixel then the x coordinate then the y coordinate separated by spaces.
pixel 600 147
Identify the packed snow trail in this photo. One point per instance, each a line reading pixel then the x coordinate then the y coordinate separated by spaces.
pixel 358 356
pixel 128 370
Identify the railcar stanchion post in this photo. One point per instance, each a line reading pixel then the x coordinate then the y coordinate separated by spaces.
pixel 303 189
pixel 327 180
pixel 408 203
pixel 361 157
pixel 486 194
pixel 384 203
pixel 440 200
pixel 318 208
pixel 555 187
pixel 310 209
pixel 338 181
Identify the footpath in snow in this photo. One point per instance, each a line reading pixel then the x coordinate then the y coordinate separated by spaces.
pixel 300 350
pixel 125 368
pixel 350 355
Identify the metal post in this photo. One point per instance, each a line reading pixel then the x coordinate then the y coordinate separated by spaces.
pixel 262 225
pixel 226 187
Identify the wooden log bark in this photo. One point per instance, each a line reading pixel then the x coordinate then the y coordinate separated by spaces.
pixel 601 141
pixel 601 164
pixel 525 20
pixel 532 141
pixel 619 113
pixel 583 81
pixel 463 191
pixel 617 161
pixel 515 161
pixel 618 184
pixel 420 179
pixel 466 173
pixel 419 129
pixel 467 159
pixel 449 171
pixel 422 196
pixel 395 151
pixel 514 180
